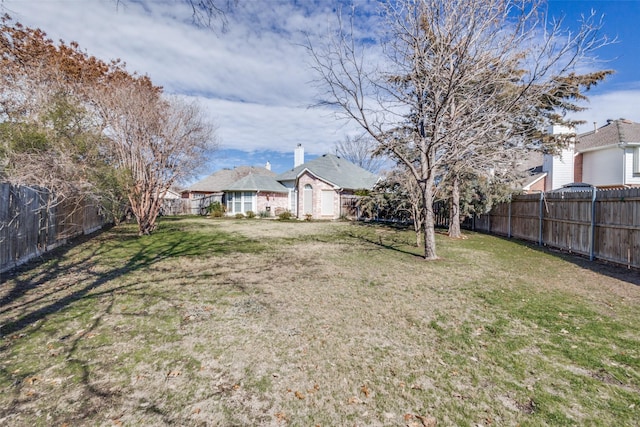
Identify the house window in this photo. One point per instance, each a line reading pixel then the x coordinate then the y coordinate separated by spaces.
pixel 307 199
pixel 248 202
pixel 636 161
pixel 327 202
pixel 237 202
pixel 240 202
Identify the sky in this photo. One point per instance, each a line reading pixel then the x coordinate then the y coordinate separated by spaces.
pixel 253 78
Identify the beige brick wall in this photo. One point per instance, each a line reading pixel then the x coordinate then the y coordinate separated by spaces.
pixel 317 185
pixel 273 200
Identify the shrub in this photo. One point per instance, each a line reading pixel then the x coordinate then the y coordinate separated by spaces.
pixel 284 216
pixel 264 214
pixel 250 214
pixel 216 209
pixel 308 216
pixel 239 216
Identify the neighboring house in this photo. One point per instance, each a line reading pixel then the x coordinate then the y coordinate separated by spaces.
pixel 535 177
pixel 172 194
pixel 607 157
pixel 215 184
pixel 316 188
pixel 256 193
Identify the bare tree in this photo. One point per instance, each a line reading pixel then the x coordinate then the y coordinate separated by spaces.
pixel 462 84
pixel 360 150
pixel 156 142
pixel 86 128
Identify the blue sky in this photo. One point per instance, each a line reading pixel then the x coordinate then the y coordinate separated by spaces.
pixel 254 80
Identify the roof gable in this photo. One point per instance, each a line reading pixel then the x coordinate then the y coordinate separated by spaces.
pixel 613 133
pixel 218 181
pixel 254 182
pixel 334 170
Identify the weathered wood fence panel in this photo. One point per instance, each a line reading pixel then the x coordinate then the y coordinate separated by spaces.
pixel 617 230
pixel 349 206
pixel 32 222
pixel 180 207
pixel 602 224
pixel 525 218
pixel 567 221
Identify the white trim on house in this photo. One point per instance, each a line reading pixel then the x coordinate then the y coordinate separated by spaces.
pixel 636 160
pixel 302 172
pixel 535 181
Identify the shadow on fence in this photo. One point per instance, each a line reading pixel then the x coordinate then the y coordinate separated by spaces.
pixel 33 221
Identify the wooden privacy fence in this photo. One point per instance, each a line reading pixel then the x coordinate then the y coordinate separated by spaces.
pixel 600 224
pixel 32 222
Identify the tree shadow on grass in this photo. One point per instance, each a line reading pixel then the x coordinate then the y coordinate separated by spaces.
pixel 71 276
pixel 612 270
pixel 392 241
pixel 114 247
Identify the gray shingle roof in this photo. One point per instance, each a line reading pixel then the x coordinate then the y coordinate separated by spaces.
pixel 218 181
pixel 335 170
pixel 255 182
pixel 614 132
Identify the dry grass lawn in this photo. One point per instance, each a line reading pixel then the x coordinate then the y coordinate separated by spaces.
pixel 258 322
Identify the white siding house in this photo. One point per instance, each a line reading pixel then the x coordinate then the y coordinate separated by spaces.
pixel 559 168
pixel 607 157
pixel 603 167
pixel 611 154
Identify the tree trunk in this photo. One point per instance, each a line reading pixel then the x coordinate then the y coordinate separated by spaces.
pixel 145 208
pixel 428 223
pixel 454 212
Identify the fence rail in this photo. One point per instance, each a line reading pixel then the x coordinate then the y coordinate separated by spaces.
pixel 32 222
pixel 600 224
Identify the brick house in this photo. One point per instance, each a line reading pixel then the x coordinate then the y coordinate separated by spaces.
pixel 316 188
pixel 313 189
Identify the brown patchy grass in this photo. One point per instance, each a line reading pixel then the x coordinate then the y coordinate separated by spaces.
pixel 257 322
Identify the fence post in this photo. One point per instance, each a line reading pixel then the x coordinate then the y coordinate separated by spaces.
pixel 541 219
pixel 509 219
pixel 592 236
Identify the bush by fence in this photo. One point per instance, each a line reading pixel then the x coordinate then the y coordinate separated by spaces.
pixel 600 224
pixel 32 222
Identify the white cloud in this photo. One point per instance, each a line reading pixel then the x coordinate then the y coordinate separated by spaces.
pixel 254 79
pixel 255 127
pixel 610 105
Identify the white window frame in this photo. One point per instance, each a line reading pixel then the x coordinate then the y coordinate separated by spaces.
pixel 636 161
pixel 240 199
